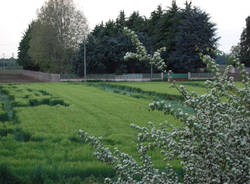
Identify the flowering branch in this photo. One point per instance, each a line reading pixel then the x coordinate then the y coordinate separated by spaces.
pixel 141 52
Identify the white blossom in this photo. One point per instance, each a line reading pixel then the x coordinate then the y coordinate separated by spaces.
pixel 141 52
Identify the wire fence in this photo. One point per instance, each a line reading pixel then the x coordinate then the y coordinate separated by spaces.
pixel 138 77
pixel 201 75
pixel 114 77
pixel 108 77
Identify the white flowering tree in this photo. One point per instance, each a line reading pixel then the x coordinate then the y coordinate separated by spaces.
pixel 213 142
pixel 141 52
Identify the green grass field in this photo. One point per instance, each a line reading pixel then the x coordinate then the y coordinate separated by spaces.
pixel 39 124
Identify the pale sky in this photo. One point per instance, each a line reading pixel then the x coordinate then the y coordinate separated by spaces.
pixel 15 16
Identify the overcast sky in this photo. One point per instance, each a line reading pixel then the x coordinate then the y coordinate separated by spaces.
pixel 15 16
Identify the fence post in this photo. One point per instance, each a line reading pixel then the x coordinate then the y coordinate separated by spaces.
pixel 189 76
pixel 162 76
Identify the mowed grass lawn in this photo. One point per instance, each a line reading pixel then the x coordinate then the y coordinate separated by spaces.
pixel 42 140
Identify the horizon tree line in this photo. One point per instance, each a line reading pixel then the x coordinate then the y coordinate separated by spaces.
pixel 54 42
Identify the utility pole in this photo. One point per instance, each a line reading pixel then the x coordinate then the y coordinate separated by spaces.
pixel 84 60
pixel 151 73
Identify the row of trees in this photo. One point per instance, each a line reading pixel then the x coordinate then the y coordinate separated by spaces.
pixel 53 38
pixel 51 42
pixel 183 31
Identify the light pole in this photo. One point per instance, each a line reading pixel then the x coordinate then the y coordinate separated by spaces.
pixel 84 60
pixel 151 72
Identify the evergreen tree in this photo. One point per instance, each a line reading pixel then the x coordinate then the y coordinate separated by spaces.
pixel 23 56
pixel 121 20
pixel 168 25
pixel 106 56
pixel 184 33
pixel 137 22
pixel 106 46
pixel 153 23
pixel 165 32
pixel 196 33
pixel 245 44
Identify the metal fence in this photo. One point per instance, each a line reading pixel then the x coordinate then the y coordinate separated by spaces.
pixel 176 76
pixel 138 77
pixel 201 75
pixel 114 77
pixel 109 77
pixel 197 76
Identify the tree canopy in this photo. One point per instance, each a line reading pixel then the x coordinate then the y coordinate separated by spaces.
pixel 53 38
pixel 183 31
pixel 245 44
pixel 24 59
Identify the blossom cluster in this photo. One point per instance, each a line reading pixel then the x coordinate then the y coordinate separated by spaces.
pixel 214 141
pixel 141 52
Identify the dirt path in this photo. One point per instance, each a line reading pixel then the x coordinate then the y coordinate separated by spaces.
pixel 16 78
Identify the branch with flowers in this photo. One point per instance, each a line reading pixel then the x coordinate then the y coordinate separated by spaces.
pixel 213 143
pixel 141 52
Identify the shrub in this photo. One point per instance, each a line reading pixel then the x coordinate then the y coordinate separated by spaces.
pixel 213 142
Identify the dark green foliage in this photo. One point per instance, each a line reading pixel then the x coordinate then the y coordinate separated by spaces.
pixel 7 176
pixel 47 101
pixel 165 30
pixel 196 33
pixel 4 117
pixel 3 132
pixel 106 47
pixel 24 58
pixel 22 136
pixel 44 93
pixel 6 102
pixel 245 44
pixel 184 33
pixel 39 176
pixel 105 55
